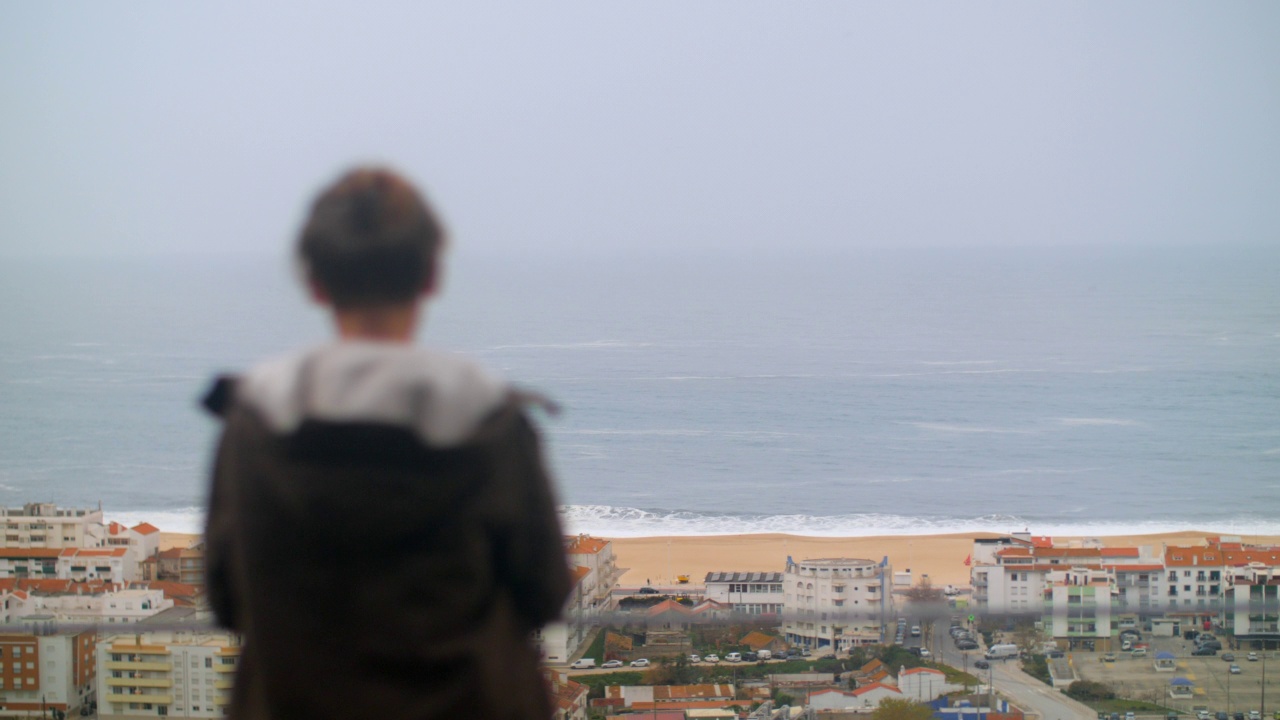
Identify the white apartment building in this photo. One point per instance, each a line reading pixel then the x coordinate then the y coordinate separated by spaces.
pixel 1252 605
pixel 836 602
pixel 558 641
pixel 44 672
pixel 596 555
pixel 166 674
pixel 1197 579
pixel 140 542
pixel 97 605
pixel 80 564
pixel 45 525
pixel 1080 602
pixel 29 563
pixel 1015 576
pixel 106 564
pixel 748 593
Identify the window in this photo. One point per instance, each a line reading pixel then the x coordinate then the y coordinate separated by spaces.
pixel 208 662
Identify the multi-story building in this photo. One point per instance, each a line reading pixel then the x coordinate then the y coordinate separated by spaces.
pixel 1079 607
pixel 191 565
pixel 1251 609
pixel 166 674
pixel 560 640
pixel 142 541
pixel 82 603
pixel 45 525
pixel 596 555
pixel 45 672
pixel 836 602
pixel 108 564
pixel 1015 577
pixel 748 593
pixel 23 563
pixel 1197 579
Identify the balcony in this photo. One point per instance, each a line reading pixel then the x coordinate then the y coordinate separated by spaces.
pixel 224 668
pixel 223 684
pixel 139 698
pixel 138 665
pixel 139 682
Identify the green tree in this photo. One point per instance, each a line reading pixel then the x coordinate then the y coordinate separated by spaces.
pixel 902 710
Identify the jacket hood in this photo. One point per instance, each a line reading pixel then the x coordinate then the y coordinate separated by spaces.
pixel 442 398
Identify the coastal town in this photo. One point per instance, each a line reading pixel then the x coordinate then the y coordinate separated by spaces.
pixel 107 620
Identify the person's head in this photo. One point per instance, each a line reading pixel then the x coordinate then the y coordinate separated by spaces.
pixel 371 241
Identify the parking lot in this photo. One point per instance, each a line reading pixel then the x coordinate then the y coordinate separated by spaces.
pixel 1214 687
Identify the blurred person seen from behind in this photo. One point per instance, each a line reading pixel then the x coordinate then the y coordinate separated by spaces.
pixel 382 529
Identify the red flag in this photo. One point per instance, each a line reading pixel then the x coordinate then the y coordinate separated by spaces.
pixel 967 559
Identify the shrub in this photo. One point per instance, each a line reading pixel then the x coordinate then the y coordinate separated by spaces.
pixel 1085 690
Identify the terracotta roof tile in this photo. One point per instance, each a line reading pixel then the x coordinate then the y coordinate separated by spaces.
pixel 145 528
pixel 30 552
pixel 585 545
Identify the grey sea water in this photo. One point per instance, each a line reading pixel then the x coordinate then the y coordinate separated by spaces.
pixel 1081 391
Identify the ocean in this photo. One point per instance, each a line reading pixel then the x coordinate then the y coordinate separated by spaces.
pixel 1080 391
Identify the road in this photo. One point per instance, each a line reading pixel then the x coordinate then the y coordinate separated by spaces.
pixel 1033 696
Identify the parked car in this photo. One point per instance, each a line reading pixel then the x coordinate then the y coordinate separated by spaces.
pixel 733 657
pixel 981 664
pixel 1234 669
pixel 1253 657
pixel 1221 716
pixel 1129 716
pixel 646 590
pixel 1139 652
pixel 1201 714
pixel 1228 657
pixel 750 656
pixel 695 658
pixel 583 664
pixel 1109 657
pixel 612 664
pixel 1255 715
pixel 712 658
pixel 641 662
pixel 1205 651
pixel 924 652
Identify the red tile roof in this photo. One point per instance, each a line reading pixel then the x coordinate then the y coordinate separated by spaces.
pixel 145 528
pixel 585 545
pixel 29 552
pixel 668 605
pixel 94 552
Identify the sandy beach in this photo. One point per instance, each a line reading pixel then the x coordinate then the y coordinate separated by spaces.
pixel 658 560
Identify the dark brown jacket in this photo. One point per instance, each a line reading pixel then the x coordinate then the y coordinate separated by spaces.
pixel 383 532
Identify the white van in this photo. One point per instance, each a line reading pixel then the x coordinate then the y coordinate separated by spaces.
pixel 1002 652
pixel 583 664
pixel 733 657
pixel 767 654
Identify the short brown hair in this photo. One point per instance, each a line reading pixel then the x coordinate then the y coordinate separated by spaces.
pixel 371 239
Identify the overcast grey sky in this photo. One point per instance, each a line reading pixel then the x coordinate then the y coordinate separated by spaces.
pixel 699 126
